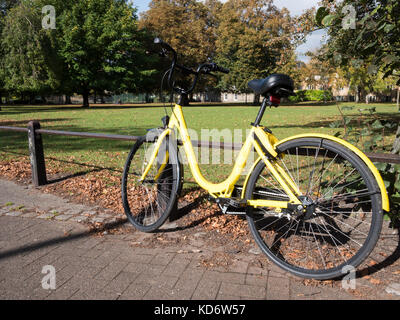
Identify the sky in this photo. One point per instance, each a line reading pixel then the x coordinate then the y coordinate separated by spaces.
pixel 294 6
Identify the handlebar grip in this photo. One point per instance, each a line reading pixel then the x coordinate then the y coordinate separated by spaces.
pixel 223 70
pixel 210 67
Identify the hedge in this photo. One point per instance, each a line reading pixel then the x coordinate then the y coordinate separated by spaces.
pixel 312 95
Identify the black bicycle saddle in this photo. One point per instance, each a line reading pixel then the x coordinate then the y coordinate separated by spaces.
pixel 276 84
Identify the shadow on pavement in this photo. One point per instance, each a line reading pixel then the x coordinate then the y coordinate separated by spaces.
pixel 59 240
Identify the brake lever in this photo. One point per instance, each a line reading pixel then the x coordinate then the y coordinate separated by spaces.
pixel 163 53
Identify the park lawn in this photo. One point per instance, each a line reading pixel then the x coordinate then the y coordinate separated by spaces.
pixel 285 121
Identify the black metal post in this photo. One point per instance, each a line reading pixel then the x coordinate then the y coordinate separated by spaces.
pixel 260 113
pixel 36 154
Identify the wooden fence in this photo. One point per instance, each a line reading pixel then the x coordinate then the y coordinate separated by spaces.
pixel 36 150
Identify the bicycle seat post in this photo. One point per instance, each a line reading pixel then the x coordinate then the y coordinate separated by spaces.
pixel 260 113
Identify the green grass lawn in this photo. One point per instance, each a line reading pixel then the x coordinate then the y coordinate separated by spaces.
pixel 285 121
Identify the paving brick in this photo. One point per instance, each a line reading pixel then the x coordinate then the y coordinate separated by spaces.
pixel 14 213
pixel 97 295
pixel 206 290
pixel 139 258
pixel 79 219
pixel 278 288
pixel 242 290
pixel 227 297
pixel 238 278
pixel 106 257
pixel 63 217
pixel 238 266
pixel 76 261
pixel 73 211
pixel 135 292
pixel 4 210
pixel 92 253
pixel 89 272
pixel 189 279
pixel 121 282
pixel 256 280
pixel 156 281
pixel 135 267
pixel 85 285
pixel 63 293
pixel 46 216
pixel 89 243
pixel 29 215
pixel 165 293
pixel 257 270
pixel 176 266
pixel 111 270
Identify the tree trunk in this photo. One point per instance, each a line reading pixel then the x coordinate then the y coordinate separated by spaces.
pixel 31 98
pixel 85 96
pixel 398 98
pixel 256 100
pixel 358 95
pixel 68 99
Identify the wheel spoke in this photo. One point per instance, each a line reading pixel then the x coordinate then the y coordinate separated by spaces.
pixel 148 203
pixel 338 220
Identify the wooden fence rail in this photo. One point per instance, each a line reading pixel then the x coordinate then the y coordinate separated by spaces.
pixel 36 150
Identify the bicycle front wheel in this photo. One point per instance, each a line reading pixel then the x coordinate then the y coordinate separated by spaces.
pixel 343 219
pixel 148 203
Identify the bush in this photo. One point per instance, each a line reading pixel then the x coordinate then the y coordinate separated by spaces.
pixel 312 95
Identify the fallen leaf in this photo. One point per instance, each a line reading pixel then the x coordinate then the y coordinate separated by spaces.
pixel 375 281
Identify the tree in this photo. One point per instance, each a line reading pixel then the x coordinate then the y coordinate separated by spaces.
pixel 364 32
pixel 5 6
pixel 188 26
pixel 255 39
pixel 95 47
pixel 102 48
pixel 371 39
pixel 26 69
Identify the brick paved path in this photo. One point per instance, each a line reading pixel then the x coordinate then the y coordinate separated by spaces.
pixel 103 265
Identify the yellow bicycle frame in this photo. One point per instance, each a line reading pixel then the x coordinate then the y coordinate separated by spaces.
pixel 268 143
pixel 225 188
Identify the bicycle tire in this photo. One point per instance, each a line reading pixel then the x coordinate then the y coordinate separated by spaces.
pixel 157 198
pixel 335 213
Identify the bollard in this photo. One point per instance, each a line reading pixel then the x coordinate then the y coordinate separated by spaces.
pixel 36 154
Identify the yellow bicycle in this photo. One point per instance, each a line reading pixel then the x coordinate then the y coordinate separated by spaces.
pixel 314 203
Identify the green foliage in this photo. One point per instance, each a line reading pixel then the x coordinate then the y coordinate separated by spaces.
pixel 375 39
pixel 26 68
pixel 5 6
pixel 312 95
pixel 254 39
pixel 101 46
pixel 368 133
pixel 96 46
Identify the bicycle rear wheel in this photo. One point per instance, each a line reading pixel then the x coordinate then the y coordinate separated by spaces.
pixel 148 204
pixel 344 213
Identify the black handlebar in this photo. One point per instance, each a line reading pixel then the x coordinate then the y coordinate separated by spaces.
pixel 205 68
pixel 213 67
